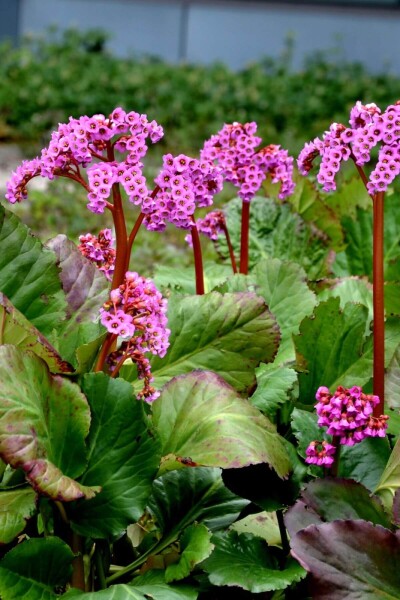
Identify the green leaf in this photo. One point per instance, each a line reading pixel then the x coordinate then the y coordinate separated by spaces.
pixel 17 330
pixel 283 285
pixel 350 196
pixel 263 524
pixel 365 462
pixel 312 207
pixel 183 279
pixel 390 480
pixel 392 382
pixel 86 289
pixel 331 349
pixel 229 334
pixel 276 232
pixel 350 289
pixel 29 275
pixel 200 416
pixel 150 585
pixel 350 560
pixel 305 429
pixel 153 585
pixel 34 568
pixel 44 420
pixel 357 257
pixel 16 507
pixel 183 497
pixel 123 457
pixel 245 561
pixel 274 387
pixel 195 547
pixel 332 498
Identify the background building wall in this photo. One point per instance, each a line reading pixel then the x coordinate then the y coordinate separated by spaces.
pixel 235 32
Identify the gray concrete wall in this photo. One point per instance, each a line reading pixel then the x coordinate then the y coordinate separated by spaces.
pixel 234 32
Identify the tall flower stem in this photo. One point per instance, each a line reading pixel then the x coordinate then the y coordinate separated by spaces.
pixel 378 281
pixel 105 349
pixel 121 239
pixel 378 303
pixel 244 238
pixel 198 260
pixel 230 248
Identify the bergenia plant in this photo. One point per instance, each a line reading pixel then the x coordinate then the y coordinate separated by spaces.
pixel 162 444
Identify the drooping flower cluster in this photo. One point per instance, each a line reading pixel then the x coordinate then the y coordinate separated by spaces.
pixel 211 226
pixel 348 415
pixel 137 311
pixel 99 249
pixel 234 150
pixel 87 140
pixel 320 453
pixel 368 128
pixel 184 184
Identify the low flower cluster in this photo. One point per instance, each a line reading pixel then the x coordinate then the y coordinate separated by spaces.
pixel 234 151
pixel 348 416
pixel 368 128
pixel 137 311
pixel 184 183
pixel 99 249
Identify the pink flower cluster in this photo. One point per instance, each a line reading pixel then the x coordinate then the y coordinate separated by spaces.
pixel 234 150
pixel 184 184
pixel 137 311
pixel 99 249
pixel 80 142
pixel 348 415
pixel 320 453
pixel 368 128
pixel 211 226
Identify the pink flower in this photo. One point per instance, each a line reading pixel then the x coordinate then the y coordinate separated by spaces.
pixel 320 453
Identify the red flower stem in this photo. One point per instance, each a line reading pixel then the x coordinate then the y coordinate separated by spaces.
pixel 360 170
pixel 230 247
pixel 378 303
pixel 134 232
pixel 78 571
pixel 244 238
pixel 378 280
pixel 198 261
pixel 138 223
pixel 121 239
pixel 106 347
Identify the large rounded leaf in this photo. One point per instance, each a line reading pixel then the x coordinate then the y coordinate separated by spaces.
pixel 124 456
pixel 29 275
pixel 350 560
pixel 199 416
pixel 44 420
pixel 34 569
pixel 227 333
pixel 245 561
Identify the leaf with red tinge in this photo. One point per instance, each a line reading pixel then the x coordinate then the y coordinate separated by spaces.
pixel 350 560
pixel 18 331
pixel 200 416
pixel 44 420
pixel 329 499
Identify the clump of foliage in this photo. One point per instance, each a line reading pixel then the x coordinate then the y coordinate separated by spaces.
pixel 47 79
